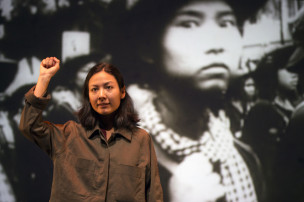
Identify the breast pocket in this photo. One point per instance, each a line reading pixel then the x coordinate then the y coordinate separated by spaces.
pixel 77 175
pixel 130 183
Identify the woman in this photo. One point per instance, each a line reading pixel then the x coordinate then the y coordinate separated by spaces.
pixel 184 52
pixel 241 95
pixel 266 123
pixel 106 157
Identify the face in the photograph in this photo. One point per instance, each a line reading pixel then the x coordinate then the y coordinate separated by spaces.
pixel 249 88
pixel 104 93
pixel 288 80
pixel 202 44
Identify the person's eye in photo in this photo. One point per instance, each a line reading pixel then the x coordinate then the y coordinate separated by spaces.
pixel 187 23
pixel 227 21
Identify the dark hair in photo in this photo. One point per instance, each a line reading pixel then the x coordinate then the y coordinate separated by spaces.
pixel 125 117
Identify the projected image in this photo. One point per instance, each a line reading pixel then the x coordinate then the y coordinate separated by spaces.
pixel 218 85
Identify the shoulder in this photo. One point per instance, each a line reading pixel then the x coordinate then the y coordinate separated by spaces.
pixel 137 131
pixel 262 116
pixel 299 111
pixel 263 108
pixel 254 165
pixel 72 123
pixel 246 151
pixel 296 125
pixel 71 127
pixel 141 134
pixel 262 104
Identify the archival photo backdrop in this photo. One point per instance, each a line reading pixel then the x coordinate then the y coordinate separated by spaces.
pixel 218 84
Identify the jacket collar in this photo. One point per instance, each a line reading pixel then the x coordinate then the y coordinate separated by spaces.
pixel 121 131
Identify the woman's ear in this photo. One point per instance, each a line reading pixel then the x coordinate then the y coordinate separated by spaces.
pixel 123 93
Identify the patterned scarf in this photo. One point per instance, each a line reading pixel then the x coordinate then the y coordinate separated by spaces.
pixel 216 144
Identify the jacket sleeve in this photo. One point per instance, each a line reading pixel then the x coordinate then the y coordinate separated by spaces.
pixel 153 185
pixel 46 135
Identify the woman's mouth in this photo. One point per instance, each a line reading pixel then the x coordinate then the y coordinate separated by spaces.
pixel 103 105
pixel 214 66
pixel 215 70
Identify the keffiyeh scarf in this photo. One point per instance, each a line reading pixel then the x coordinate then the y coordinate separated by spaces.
pixel 216 144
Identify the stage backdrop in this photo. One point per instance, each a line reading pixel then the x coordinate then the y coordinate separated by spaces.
pixel 136 38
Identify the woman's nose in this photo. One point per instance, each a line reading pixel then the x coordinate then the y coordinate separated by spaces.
pixel 217 40
pixel 101 94
pixel 212 41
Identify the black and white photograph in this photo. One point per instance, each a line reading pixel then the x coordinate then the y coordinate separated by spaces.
pixel 213 91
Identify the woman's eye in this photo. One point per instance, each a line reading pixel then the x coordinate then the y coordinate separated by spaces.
pixel 94 89
pixel 228 23
pixel 109 87
pixel 188 24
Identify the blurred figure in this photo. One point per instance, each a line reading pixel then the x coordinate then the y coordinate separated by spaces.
pixel 266 123
pixel 291 155
pixel 28 168
pixel 250 91
pixel 7 177
pixel 242 96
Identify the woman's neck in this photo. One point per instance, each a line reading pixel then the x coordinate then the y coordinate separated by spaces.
pixel 107 125
pixel 107 122
pixel 186 112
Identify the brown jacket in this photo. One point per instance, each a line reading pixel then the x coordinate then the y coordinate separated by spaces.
pixel 89 168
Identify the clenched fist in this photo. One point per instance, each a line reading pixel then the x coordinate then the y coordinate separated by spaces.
pixel 49 66
pixel 49 62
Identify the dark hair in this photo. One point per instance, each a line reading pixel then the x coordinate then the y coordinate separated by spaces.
pixel 266 74
pixel 125 117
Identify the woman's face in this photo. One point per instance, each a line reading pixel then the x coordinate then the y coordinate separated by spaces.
pixel 249 88
pixel 287 80
pixel 104 93
pixel 202 44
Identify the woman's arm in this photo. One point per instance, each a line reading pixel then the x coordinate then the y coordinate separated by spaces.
pixel 46 135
